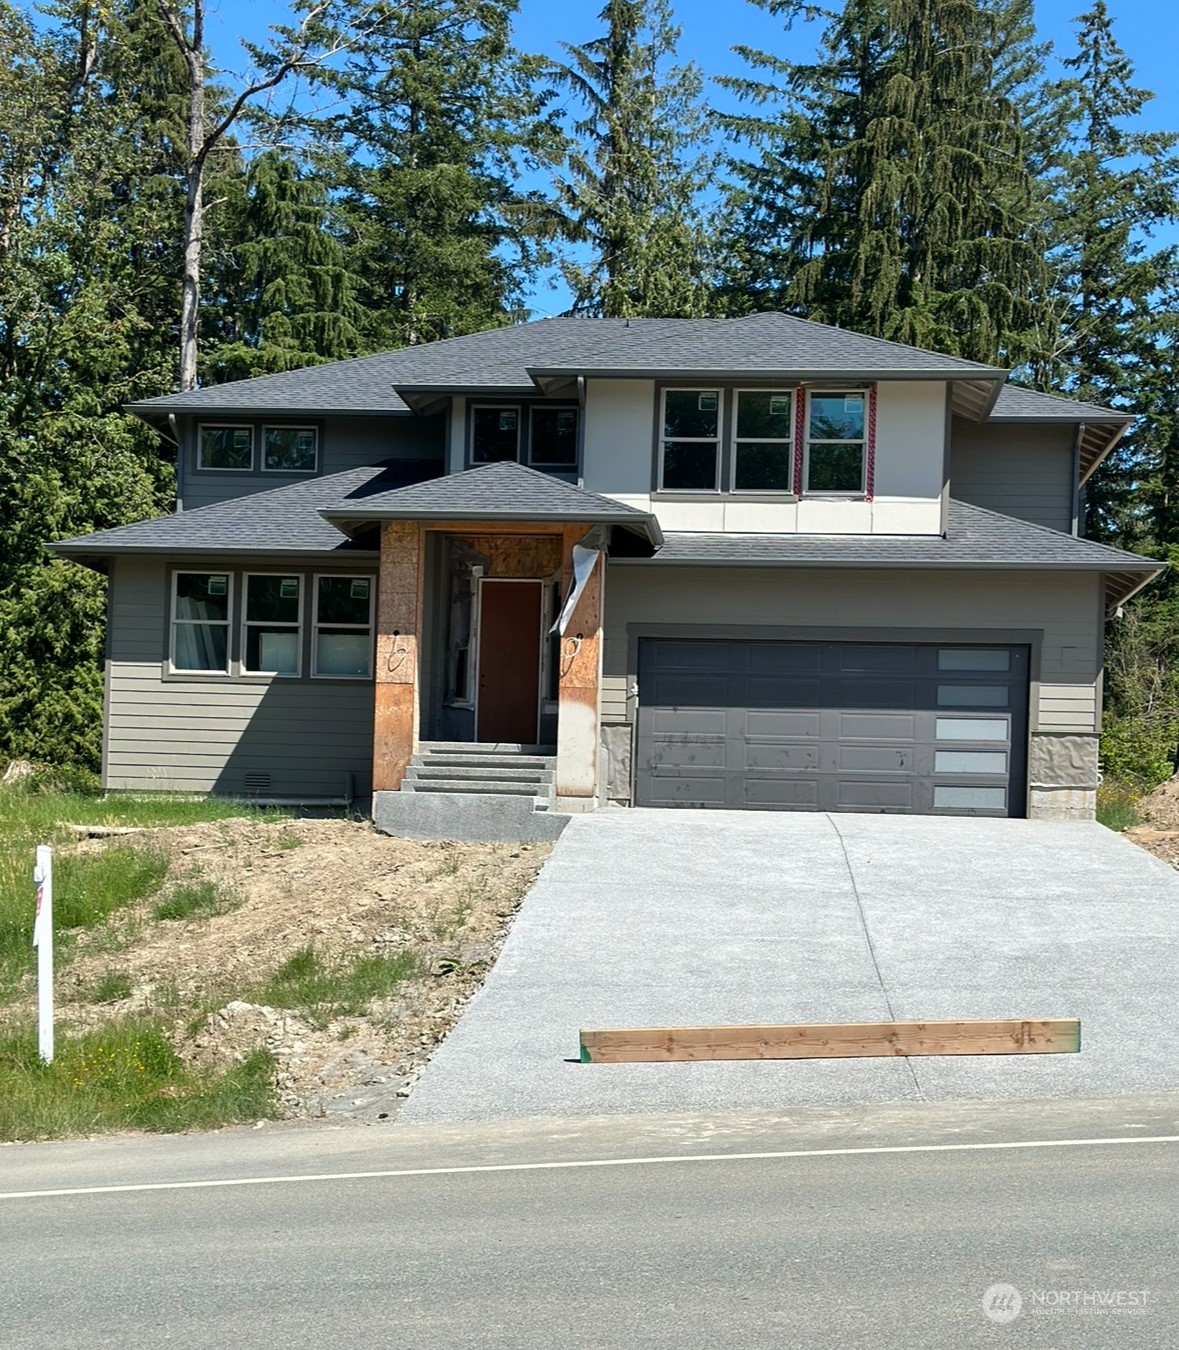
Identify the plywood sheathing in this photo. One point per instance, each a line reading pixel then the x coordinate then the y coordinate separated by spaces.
pixel 578 716
pixel 516 556
pixel 399 616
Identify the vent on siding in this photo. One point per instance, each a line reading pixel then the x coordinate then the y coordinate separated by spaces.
pixel 257 782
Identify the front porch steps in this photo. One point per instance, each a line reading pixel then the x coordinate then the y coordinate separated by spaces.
pixel 487 769
pixel 475 793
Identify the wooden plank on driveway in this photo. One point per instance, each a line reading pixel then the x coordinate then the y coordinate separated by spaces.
pixel 837 1040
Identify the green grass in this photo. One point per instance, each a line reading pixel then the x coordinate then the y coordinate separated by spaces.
pixel 196 899
pixel 124 1076
pixel 323 989
pixel 110 988
pixel 1117 806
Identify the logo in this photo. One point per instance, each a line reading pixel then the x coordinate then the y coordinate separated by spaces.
pixel 1002 1303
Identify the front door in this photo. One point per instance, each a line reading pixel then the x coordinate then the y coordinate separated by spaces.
pixel 509 661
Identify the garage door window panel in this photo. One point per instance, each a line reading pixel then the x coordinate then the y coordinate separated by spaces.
pixel 970 761
pixel 973 695
pixel 973 729
pixel 836 443
pixel 690 447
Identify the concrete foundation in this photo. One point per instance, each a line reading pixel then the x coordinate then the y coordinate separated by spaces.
pixel 1063 803
pixel 468 817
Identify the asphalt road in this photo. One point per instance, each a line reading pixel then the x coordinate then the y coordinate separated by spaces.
pixel 866 1230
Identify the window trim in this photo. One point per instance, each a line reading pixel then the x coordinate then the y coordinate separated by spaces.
pixel 735 393
pixel 545 465
pixel 288 426
pixel 371 626
pixel 224 426
pixel 718 440
pixel 228 622
pixel 246 623
pixel 864 491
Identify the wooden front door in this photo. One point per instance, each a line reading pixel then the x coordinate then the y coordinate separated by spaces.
pixel 509 661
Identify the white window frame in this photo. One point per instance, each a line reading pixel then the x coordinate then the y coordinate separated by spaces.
pixel 278 426
pixel 533 462
pixel 355 627
pixel 718 440
pixel 853 493
pixel 247 623
pixel 202 467
pixel 792 490
pixel 226 623
pixel 495 407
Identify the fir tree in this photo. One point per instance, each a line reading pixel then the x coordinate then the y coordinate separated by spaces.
pixel 891 192
pixel 632 174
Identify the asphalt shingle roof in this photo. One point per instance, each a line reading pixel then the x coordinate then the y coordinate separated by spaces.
pixel 489 491
pixel 1029 405
pixel 501 358
pixel 974 538
pixel 282 520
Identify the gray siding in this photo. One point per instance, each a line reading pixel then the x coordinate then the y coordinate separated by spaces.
pixel 345 443
pixel 896 605
pixel 1018 470
pixel 204 734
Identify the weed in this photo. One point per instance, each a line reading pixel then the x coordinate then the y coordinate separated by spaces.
pixel 1117 806
pixel 122 1076
pixel 111 988
pixel 326 989
pixel 286 841
pixel 196 899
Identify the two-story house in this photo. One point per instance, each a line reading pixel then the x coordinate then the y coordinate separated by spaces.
pixel 748 563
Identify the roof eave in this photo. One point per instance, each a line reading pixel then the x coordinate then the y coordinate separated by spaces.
pixel 907 565
pixel 788 373
pixel 80 551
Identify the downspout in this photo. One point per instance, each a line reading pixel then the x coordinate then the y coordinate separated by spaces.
pixel 1076 502
pixel 581 431
pixel 179 463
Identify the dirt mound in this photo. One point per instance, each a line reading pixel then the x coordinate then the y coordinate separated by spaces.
pixel 1161 807
pixel 335 886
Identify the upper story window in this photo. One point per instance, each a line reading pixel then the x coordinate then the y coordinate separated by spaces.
pixel 755 454
pixel 290 449
pixel 225 447
pixel 836 442
pixel 542 435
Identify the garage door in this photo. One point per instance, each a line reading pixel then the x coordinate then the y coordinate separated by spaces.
pixel 810 726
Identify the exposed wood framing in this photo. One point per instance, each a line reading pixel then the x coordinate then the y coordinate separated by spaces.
pixel 1053 1036
pixel 399 617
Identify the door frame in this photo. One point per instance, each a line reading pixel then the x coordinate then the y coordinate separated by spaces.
pixel 478 635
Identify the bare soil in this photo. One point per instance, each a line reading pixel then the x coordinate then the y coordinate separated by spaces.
pixel 1162 843
pixel 1160 808
pixel 338 887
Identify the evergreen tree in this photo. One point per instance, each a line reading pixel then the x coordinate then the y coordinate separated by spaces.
pixel 631 176
pixel 890 190
pixel 283 295
pixel 1115 189
pixel 437 108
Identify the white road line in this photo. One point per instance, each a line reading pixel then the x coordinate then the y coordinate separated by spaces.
pixel 479 1168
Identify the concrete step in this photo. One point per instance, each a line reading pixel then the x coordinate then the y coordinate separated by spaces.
pixel 541 777
pixel 486 763
pixel 482 786
pixel 485 748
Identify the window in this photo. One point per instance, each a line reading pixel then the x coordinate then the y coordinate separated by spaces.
pixel 495 435
pixel 835 442
pixel 552 438
pixel 271 639
pixel 690 458
pixel 290 449
pixel 228 448
pixel 200 621
pixel 763 444
pixel 343 643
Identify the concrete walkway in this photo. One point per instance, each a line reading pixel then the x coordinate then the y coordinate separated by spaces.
pixel 649 918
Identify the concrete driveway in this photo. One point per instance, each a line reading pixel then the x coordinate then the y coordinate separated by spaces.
pixel 649 918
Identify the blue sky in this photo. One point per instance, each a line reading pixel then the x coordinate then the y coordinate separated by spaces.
pixel 1148 31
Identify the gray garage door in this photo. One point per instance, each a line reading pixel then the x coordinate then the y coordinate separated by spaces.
pixel 810 726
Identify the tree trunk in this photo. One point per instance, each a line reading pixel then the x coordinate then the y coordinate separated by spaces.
pixel 194 216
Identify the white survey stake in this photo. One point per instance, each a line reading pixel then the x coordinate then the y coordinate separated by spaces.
pixel 43 941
